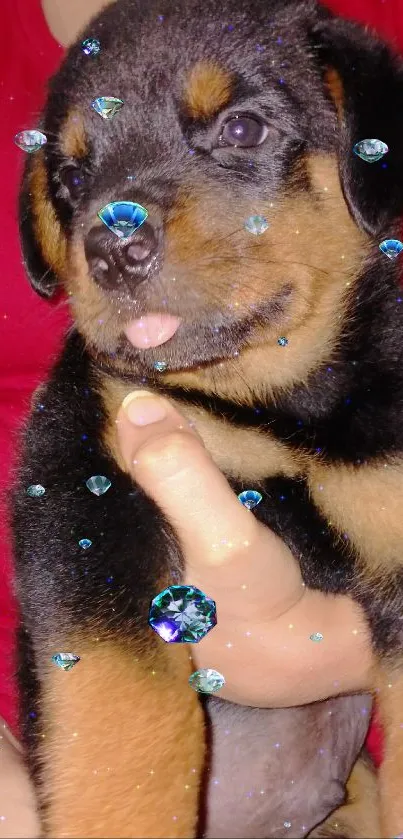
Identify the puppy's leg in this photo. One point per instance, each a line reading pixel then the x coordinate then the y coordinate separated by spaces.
pixel 359 817
pixel 123 743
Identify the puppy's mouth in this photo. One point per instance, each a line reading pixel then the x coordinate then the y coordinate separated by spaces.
pixel 185 342
pixel 152 330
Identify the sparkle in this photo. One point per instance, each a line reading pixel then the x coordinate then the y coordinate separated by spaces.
pixel 65 660
pixel 123 218
pixel 206 680
pixel 316 636
pixel 30 140
pixel 98 484
pixel 36 491
pixel 282 341
pixel 391 248
pixel 250 498
pixel 182 614
pixel 85 544
pixel 91 46
pixel 256 225
pixel 370 150
pixel 160 366
pixel 107 106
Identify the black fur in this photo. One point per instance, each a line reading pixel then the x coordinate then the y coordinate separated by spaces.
pixel 351 409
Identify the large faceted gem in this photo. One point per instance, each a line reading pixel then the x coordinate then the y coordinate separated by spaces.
pixel 370 150
pixel 391 247
pixel 182 614
pixel 123 217
pixel 30 140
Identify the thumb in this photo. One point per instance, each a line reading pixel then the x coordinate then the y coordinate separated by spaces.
pixel 169 461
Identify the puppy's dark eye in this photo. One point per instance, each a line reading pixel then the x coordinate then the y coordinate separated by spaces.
pixel 244 132
pixel 73 178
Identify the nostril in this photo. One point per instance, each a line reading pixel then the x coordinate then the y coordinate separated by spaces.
pixel 99 268
pixel 138 252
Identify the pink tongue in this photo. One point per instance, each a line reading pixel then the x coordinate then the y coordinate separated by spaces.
pixel 151 330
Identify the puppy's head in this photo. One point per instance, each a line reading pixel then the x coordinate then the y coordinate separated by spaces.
pixel 231 111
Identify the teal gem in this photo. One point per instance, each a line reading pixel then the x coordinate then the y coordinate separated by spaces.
pixel 98 484
pixel 256 225
pixel 91 46
pixel 391 247
pixel 283 342
pixel 123 217
pixel 85 544
pixel 30 141
pixel 107 106
pixel 206 680
pixel 65 660
pixel 250 498
pixel 182 614
pixel 370 150
pixel 36 491
pixel 160 366
pixel 317 636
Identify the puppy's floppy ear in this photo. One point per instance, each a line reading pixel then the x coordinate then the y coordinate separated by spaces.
pixel 42 241
pixel 365 80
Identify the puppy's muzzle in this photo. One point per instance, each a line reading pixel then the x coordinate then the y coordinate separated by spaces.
pixel 114 262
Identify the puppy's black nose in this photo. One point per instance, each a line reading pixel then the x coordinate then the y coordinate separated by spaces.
pixel 114 261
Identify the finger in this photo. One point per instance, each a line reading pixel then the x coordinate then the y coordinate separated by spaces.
pixel 167 458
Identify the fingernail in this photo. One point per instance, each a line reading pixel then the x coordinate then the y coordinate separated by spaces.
pixel 143 408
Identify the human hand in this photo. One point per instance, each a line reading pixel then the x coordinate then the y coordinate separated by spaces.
pixel 248 571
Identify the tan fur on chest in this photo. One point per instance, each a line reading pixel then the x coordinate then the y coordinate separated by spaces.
pixel 242 453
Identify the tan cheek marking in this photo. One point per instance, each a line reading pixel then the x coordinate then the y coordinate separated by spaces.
pixel 239 453
pixel 306 233
pixel 335 87
pixel 46 226
pixel 366 502
pixel 208 90
pixel 73 140
pixel 114 727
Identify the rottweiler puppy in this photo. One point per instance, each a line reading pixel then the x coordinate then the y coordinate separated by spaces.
pixel 285 350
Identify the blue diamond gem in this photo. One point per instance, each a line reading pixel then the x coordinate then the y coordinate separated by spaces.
pixel 91 46
pixel 65 660
pixel 30 141
pixel 282 341
pixel 98 484
pixel 123 217
pixel 36 491
pixel 182 614
pixel 206 680
pixel 370 150
pixel 85 544
pixel 256 225
pixel 391 247
pixel 250 498
pixel 107 106
pixel 160 366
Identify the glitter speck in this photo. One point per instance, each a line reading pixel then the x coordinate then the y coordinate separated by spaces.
pixel 316 636
pixel 282 341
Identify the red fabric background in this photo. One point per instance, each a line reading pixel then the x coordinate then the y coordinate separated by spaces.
pixel 31 329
